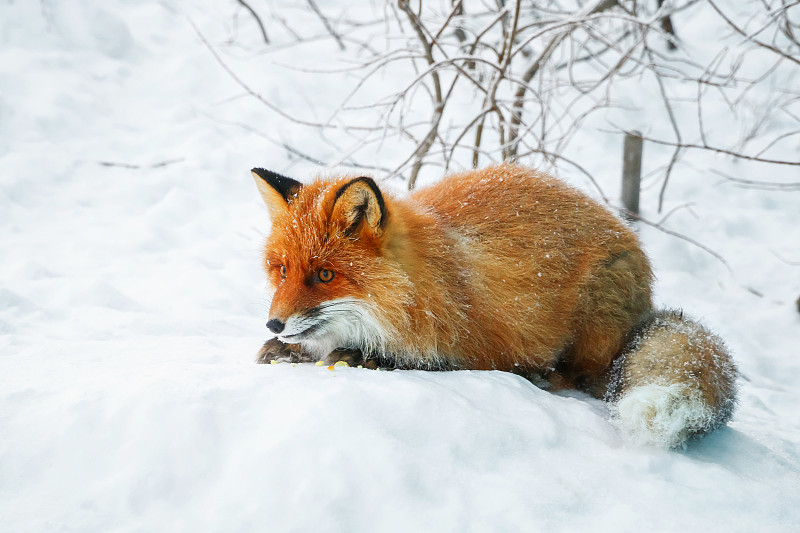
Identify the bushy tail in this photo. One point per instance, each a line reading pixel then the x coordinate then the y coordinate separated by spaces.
pixel 674 381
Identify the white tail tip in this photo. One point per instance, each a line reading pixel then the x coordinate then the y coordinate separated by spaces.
pixel 663 415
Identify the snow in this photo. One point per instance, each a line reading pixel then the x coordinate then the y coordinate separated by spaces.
pixel 132 304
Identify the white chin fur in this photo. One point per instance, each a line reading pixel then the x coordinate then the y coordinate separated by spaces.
pixel 347 323
pixel 663 415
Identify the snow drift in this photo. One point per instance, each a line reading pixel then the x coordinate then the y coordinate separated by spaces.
pixel 131 306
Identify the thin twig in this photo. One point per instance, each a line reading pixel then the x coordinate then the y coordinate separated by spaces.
pixel 683 237
pixel 313 5
pixel 750 38
pixel 263 100
pixel 258 19
pixel 535 65
pixel 159 164
pixel 673 122
pixel 755 184
pixel 424 146
pixel 719 150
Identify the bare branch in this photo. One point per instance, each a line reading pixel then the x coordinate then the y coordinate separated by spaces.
pixel 325 22
pixel 427 142
pixel 750 38
pixel 757 184
pixel 260 98
pixel 721 151
pixel 257 19
pixel 536 65
pixel 159 164
pixel 507 79
pixel 683 237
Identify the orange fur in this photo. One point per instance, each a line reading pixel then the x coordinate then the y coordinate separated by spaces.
pixel 504 268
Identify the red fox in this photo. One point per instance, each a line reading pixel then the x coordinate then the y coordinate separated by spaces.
pixel 504 268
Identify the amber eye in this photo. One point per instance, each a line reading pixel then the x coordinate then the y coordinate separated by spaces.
pixel 283 271
pixel 325 275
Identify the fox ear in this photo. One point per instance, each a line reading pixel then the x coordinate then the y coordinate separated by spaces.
pixel 276 190
pixel 357 201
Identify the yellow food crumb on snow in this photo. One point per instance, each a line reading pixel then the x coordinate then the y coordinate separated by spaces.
pixel 273 362
pixel 320 363
pixel 341 363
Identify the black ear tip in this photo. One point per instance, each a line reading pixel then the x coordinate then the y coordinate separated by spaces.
pixel 263 173
pixel 286 187
pixel 269 175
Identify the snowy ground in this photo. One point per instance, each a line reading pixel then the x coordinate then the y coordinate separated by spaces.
pixel 132 304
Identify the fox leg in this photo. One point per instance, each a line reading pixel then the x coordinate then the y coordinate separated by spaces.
pixel 352 357
pixel 613 298
pixel 275 350
pixel 675 381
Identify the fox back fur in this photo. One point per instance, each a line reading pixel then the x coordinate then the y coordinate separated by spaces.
pixel 504 268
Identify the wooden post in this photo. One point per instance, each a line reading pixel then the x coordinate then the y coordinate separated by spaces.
pixel 631 173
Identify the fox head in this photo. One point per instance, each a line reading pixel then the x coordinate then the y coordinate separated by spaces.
pixel 326 260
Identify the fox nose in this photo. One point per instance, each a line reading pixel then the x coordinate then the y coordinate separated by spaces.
pixel 275 325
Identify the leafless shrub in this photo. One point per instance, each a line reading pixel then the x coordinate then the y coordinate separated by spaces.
pixel 495 80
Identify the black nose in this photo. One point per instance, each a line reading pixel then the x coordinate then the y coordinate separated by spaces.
pixel 275 325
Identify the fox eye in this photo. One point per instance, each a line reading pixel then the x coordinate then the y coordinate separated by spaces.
pixel 283 271
pixel 325 275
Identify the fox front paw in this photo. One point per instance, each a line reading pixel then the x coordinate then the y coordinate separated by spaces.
pixel 280 352
pixel 352 357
